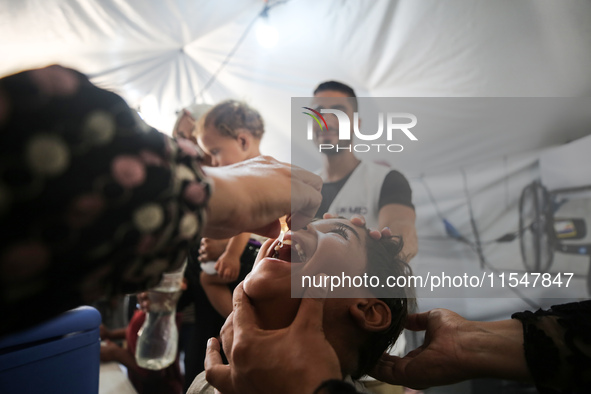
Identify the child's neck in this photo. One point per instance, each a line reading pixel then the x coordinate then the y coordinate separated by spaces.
pixel 255 152
pixel 346 347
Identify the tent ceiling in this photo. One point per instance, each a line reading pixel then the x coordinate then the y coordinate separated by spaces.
pixel 169 50
pixel 159 55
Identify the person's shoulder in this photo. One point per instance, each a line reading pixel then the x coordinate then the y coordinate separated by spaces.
pixel 395 190
pixel 395 176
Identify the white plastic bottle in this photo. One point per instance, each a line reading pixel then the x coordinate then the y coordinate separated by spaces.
pixel 157 342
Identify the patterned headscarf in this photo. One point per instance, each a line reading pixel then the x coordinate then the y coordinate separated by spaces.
pixel 93 201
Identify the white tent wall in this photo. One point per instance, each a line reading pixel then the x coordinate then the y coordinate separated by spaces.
pixel 160 54
pixel 492 191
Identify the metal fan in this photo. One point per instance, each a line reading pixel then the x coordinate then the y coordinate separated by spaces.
pixel 541 234
pixel 537 251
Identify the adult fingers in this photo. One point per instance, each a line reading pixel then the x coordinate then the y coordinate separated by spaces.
pixel 417 321
pixel 307 177
pixel 213 357
pixel 383 233
pixel 386 232
pixel 227 336
pixel 311 309
pixel 375 234
pixel 305 200
pixel 305 196
pixel 244 318
pixel 358 220
pixel 300 220
pixel 216 373
pixel 390 369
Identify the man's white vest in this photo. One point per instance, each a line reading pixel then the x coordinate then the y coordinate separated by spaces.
pixel 361 193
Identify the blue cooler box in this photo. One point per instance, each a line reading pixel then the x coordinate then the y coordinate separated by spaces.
pixel 61 355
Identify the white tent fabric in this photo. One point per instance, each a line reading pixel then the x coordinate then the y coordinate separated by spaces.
pixel 160 54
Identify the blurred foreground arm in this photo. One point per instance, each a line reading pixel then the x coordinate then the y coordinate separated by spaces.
pixel 94 202
pixel 250 197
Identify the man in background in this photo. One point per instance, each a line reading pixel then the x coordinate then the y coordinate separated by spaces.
pixel 351 186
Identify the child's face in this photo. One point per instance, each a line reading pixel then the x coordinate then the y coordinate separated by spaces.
pixel 331 247
pixel 222 150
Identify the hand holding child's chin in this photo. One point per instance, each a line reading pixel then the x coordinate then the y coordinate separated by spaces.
pixel 272 361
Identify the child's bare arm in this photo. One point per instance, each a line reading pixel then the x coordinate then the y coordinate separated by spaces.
pixel 110 351
pixel 228 264
pixel 105 333
pixel 218 293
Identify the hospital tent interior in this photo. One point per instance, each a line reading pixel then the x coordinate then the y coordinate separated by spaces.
pixel 490 194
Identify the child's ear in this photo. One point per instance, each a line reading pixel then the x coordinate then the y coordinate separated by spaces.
pixel 244 141
pixel 371 314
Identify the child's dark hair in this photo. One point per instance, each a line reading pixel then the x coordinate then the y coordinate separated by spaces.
pixel 229 116
pixel 384 259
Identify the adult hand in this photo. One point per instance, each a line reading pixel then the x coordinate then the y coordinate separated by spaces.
pixel 456 349
pixel 295 359
pixel 251 195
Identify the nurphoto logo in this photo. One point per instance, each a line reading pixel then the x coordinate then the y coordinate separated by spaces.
pixel 395 122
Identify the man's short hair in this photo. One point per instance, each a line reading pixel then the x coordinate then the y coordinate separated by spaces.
pixel 339 87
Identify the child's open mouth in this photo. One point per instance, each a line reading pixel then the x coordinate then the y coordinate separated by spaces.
pixel 283 251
